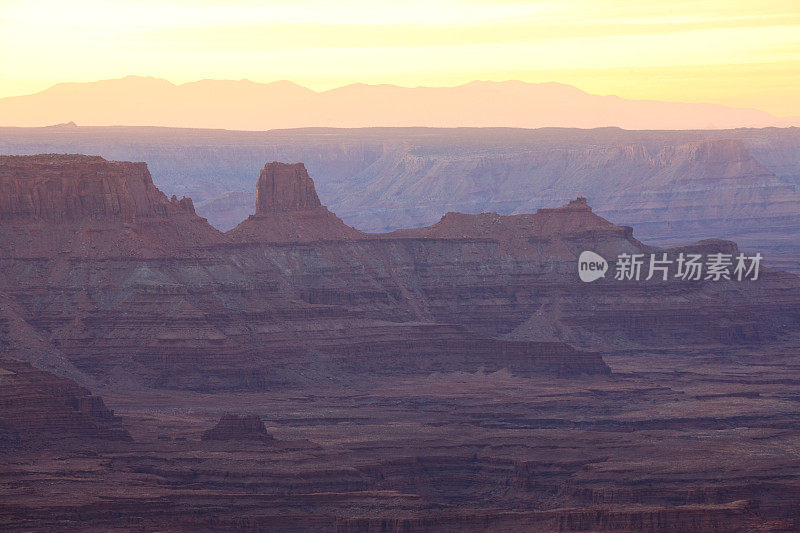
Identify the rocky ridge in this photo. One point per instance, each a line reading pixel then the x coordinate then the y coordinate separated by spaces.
pixel 736 184
pixel 451 375
pixel 218 311
pixel 227 312
pixel 84 206
pixel 60 188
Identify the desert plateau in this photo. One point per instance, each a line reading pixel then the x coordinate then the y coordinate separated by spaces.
pixel 449 266
pixel 297 374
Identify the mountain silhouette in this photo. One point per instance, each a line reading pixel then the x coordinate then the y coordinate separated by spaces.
pixel 246 105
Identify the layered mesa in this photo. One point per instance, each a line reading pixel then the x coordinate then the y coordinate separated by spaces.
pixel 459 375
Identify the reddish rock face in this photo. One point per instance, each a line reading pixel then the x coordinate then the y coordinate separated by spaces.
pixel 184 307
pixel 288 210
pixel 235 427
pixel 39 407
pixel 416 360
pixel 86 206
pixel 519 233
pixel 57 188
pixel 285 187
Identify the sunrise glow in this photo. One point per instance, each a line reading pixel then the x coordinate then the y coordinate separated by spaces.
pixel 744 54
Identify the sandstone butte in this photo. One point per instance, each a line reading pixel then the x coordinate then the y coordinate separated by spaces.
pixel 288 210
pixel 423 379
pixel 234 427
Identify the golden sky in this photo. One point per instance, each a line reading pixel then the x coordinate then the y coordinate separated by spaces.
pixel 742 53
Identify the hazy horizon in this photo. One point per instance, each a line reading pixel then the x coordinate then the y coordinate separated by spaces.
pixel 367 84
pixel 247 105
pixel 737 54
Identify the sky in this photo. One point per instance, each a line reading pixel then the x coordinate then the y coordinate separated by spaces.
pixel 740 53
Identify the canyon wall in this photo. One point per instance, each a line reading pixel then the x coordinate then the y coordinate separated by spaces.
pixel 58 188
pixel 293 295
pixel 675 186
pixel 39 409
pixel 457 376
pixel 192 308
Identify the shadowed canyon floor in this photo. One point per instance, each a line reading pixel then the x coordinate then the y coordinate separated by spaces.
pixel 456 377
pixel 701 443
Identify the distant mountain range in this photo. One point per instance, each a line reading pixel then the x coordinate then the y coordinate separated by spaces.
pixel 246 105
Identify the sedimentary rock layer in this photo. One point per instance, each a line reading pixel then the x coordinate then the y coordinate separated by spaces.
pixel 434 378
pixel 39 408
pixel 673 186
pixel 472 291
pixel 59 206
pixel 288 210
pixel 57 188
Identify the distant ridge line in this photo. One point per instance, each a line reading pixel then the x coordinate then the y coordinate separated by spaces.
pixel 251 106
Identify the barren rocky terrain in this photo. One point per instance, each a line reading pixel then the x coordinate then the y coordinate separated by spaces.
pixel 674 187
pixel 452 377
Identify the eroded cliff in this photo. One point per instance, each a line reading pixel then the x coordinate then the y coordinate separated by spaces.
pixel 41 409
pixel 57 206
pixel 441 377
pixel 288 210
